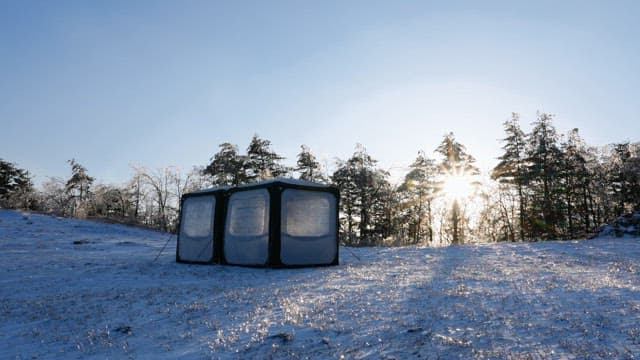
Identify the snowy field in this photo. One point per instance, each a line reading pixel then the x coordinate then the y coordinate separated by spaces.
pixel 81 289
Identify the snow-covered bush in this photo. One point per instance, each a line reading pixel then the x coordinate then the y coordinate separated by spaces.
pixel 625 225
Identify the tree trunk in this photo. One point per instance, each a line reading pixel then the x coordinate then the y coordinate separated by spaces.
pixel 522 207
pixel 455 220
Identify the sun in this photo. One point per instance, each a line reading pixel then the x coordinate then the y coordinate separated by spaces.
pixel 458 187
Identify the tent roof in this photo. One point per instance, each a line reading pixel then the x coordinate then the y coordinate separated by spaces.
pixel 287 181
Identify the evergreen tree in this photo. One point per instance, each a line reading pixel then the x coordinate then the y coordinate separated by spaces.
pixel 363 191
pixel 455 159
pixel 625 177
pixel 78 185
pixel 308 167
pixel 262 162
pixel 344 179
pixel 456 162
pixel 633 171
pixel 596 194
pixel 16 188
pixel 78 188
pixel 227 167
pixel 575 178
pixel 417 191
pixel 544 158
pixel 512 168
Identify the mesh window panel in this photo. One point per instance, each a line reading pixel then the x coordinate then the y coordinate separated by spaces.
pixel 308 233
pixel 196 229
pixel 246 240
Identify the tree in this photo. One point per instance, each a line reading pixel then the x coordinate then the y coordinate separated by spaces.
pixel 227 167
pixel 16 188
pixel 544 157
pixel 456 163
pixel 136 192
pixel 575 181
pixel 343 178
pixel 308 167
pixel 80 182
pixel 156 194
pixel 53 197
pixel 417 192
pixel 78 188
pixel 633 176
pixel 625 176
pixel 195 180
pixel 262 162
pixel 363 191
pixel 159 183
pixel 498 210
pixel 599 198
pixel 111 201
pixel 512 168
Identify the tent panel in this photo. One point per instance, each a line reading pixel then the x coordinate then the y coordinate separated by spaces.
pixel 246 237
pixel 308 227
pixel 196 229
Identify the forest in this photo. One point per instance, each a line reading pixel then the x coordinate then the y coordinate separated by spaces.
pixel 546 185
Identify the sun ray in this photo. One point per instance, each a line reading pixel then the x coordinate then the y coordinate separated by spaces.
pixel 458 186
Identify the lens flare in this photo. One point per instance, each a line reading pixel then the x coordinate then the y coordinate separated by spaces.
pixel 458 187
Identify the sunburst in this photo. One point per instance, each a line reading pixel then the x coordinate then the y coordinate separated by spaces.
pixel 458 186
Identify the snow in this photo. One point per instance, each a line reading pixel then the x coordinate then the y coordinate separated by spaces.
pixel 81 289
pixel 627 225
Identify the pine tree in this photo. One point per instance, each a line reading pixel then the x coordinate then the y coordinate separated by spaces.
pixel 262 162
pixel 343 178
pixel 78 188
pixel 79 183
pixel 455 159
pixel 227 167
pixel 363 191
pixel 569 165
pixel 512 168
pixel 308 167
pixel 418 189
pixel 633 171
pixel 456 162
pixel 16 188
pixel 544 157
pixel 625 177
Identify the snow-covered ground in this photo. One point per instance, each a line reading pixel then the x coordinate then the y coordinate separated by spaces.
pixel 81 289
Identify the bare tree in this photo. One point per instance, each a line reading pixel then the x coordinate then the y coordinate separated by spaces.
pixel 158 182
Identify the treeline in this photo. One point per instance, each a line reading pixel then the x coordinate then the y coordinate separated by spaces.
pixel 546 186
pixel 556 186
pixel 150 198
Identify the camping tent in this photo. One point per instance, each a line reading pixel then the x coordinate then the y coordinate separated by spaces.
pixel 280 223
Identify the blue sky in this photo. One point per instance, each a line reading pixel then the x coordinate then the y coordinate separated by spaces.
pixel 164 83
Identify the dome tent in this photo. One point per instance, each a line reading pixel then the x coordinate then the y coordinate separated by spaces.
pixel 277 223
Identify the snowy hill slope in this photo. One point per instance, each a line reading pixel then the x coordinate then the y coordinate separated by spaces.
pixel 80 289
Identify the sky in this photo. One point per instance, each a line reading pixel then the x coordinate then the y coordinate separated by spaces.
pixel 159 83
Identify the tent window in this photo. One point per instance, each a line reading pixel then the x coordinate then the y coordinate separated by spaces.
pixel 198 217
pixel 307 214
pixel 248 214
